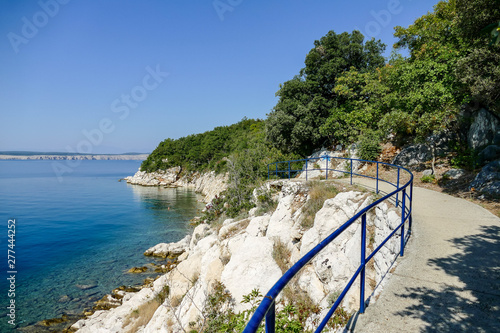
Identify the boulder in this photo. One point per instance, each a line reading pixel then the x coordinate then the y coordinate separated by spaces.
pixel 415 154
pixel 483 130
pixel 496 139
pixel 137 270
pixel 488 180
pixel 169 250
pixel 454 173
pixel 258 226
pixel 199 232
pixel 427 172
pixel 489 154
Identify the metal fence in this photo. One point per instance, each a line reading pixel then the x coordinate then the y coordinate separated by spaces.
pixel 403 200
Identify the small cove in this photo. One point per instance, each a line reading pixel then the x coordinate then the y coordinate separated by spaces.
pixel 76 238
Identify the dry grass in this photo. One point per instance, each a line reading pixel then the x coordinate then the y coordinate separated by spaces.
pixel 318 193
pixel 176 301
pixel 236 228
pixel 281 254
pixel 140 316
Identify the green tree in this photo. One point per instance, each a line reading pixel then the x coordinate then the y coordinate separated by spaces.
pixel 306 101
pixel 362 97
pixel 478 23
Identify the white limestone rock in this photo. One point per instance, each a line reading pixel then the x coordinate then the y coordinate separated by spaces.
pixel 251 267
pixel 165 250
pixel 258 226
pixel 199 232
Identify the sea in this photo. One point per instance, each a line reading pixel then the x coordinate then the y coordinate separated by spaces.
pixel 68 238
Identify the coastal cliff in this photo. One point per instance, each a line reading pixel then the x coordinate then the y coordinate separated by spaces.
pixel 250 253
pixel 105 157
pixel 208 184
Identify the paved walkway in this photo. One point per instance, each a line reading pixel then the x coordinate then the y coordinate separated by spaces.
pixel 449 278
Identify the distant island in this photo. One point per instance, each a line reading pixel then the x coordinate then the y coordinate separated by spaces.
pixel 29 155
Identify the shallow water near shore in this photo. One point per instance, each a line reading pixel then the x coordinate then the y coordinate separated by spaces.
pixel 77 236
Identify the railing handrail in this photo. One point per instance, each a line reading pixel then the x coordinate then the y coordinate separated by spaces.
pixel 267 306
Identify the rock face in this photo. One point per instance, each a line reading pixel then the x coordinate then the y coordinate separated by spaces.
pixel 243 256
pixel 320 161
pixel 157 178
pixel 209 184
pixel 483 130
pixel 489 154
pixel 488 180
pixel 421 152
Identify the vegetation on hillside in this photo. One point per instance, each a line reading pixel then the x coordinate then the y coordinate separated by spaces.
pixel 336 100
pixel 347 93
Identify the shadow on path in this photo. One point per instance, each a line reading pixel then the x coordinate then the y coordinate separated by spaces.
pixel 473 306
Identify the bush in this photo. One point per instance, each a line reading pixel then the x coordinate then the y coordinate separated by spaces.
pixel 369 146
pixel 428 179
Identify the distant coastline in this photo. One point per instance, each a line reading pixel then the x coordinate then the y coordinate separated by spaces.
pixel 26 155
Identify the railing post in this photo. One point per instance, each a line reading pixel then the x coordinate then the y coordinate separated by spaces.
pixel 327 160
pixel 289 172
pixel 411 207
pixel 363 263
pixel 376 190
pixel 397 194
pixel 271 319
pixel 351 171
pixel 306 169
pixel 276 169
pixel 402 251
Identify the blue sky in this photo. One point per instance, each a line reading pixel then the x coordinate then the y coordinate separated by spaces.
pixel 120 75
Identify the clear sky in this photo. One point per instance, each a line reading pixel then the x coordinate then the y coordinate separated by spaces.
pixel 120 75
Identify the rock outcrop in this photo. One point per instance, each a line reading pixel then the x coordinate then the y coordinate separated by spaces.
pixel 169 250
pixel 316 168
pixel 418 153
pixel 209 184
pixel 483 130
pixel 487 180
pixel 241 255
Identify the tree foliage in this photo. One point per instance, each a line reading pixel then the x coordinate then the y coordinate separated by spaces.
pixel 347 93
pixel 306 101
pixel 206 150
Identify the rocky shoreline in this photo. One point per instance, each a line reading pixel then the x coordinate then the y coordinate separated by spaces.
pixel 209 184
pixel 206 184
pixel 239 253
pixel 104 157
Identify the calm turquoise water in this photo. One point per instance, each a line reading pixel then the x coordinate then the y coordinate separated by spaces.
pixel 87 229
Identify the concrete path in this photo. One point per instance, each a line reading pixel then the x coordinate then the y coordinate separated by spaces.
pixel 449 278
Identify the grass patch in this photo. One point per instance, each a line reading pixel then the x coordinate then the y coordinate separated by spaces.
pixel 140 316
pixel 428 179
pixel 318 193
pixel 163 294
pixel 339 319
pixel 281 254
pixel 176 301
pixel 265 202
pixel 235 228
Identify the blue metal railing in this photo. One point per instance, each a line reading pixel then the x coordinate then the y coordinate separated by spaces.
pixel 267 306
